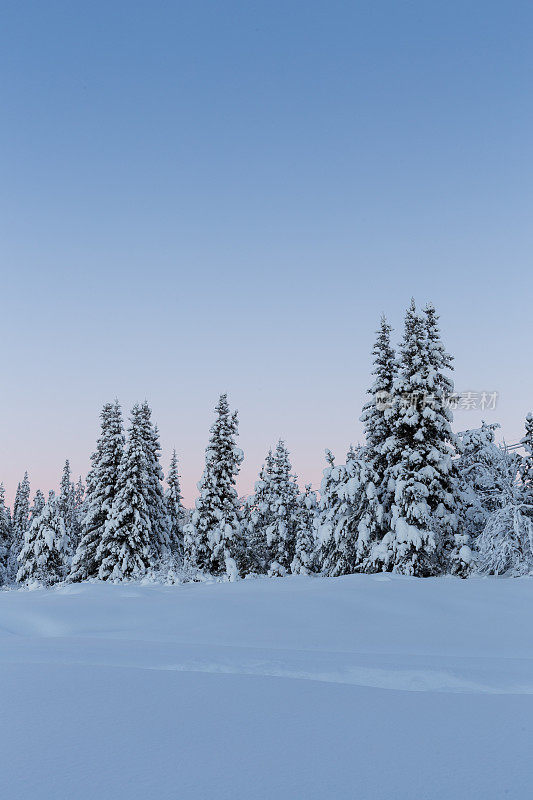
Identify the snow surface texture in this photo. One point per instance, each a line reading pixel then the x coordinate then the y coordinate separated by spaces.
pixel 366 686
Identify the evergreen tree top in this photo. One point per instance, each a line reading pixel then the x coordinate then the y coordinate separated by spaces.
pixel 282 469
pixel 173 481
pixel 3 507
pixel 438 358
pixel 38 504
pixel 413 351
pixel 222 449
pixel 173 475
pixel 21 506
pixel 330 458
pixel 23 489
pixel 384 359
pixel 66 485
pixel 268 466
pixel 385 371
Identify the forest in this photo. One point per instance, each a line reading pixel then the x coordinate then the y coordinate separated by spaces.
pixel 415 499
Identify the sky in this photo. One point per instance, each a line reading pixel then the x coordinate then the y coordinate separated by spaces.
pixel 206 197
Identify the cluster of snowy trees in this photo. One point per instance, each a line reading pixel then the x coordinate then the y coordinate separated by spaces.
pixel 415 499
pixel 418 499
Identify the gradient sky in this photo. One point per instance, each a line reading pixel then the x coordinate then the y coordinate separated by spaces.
pixel 200 197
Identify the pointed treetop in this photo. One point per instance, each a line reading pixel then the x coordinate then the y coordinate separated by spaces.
pixel 173 479
pixel 38 504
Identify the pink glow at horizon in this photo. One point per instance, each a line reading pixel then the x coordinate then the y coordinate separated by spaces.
pixel 197 202
pixel 307 456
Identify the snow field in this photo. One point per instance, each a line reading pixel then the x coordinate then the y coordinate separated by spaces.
pixel 357 687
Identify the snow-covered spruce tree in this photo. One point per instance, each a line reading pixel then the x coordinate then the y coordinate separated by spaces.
pixel 304 562
pixel 214 539
pixel 175 509
pixel 346 515
pixel 328 510
pixel 444 498
pixel 66 491
pixel 16 504
pixel 505 545
pixel 5 537
pixel 102 483
pixel 66 506
pixel 21 512
pixel 377 423
pixel 44 556
pixel 259 516
pixel 157 510
pixel 126 548
pixel 79 493
pixel 79 509
pixel 281 532
pixel 424 512
pixel 477 468
pixel 526 467
pixel 495 524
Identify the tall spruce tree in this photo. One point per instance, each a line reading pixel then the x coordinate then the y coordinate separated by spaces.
pixel 79 509
pixel 101 490
pixel 259 515
pixel 474 468
pixel 174 508
pixel 21 513
pixel 423 518
pixel 16 504
pixel 375 418
pixel 378 428
pixel 157 510
pixel 66 491
pixel 304 562
pixel 281 533
pixel 44 555
pixel 66 506
pixel 346 516
pixel 79 493
pixel 5 538
pixel 443 496
pixel 126 549
pixel 330 510
pixel 214 539
pixel 327 490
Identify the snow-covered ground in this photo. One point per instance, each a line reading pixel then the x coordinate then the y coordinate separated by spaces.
pixel 357 687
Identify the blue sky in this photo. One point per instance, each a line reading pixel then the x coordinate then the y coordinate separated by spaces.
pixel 200 197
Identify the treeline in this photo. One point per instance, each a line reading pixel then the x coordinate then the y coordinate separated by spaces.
pixel 415 499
